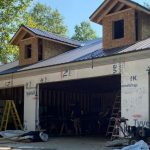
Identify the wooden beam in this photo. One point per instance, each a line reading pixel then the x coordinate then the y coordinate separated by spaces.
pixel 18 36
pixel 134 6
pixel 107 11
pixel 57 41
pixel 99 9
pixel 121 5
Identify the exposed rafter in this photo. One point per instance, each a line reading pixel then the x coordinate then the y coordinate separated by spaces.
pixel 110 6
pixel 118 7
pixel 99 19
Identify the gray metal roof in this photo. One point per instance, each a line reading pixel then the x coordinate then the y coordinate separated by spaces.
pixel 53 36
pixel 144 44
pixel 11 70
pixel 141 45
pixel 69 56
pixel 91 49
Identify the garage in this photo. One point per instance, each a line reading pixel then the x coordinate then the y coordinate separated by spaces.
pixel 17 95
pixel 94 97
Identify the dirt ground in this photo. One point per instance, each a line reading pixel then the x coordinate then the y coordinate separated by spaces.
pixel 63 143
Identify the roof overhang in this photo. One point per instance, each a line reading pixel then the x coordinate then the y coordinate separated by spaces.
pixel 105 60
pixel 23 30
pixel 107 5
pixel 19 35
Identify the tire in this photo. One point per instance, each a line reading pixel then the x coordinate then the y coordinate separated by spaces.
pixel 132 141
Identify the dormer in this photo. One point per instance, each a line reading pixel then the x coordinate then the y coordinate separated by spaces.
pixel 36 45
pixel 124 22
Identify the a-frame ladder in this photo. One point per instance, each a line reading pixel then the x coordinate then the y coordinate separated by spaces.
pixel 10 109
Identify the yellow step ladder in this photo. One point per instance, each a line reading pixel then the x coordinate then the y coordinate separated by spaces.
pixel 10 109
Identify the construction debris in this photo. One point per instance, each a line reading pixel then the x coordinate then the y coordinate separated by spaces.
pixel 117 143
pixel 141 145
pixel 19 135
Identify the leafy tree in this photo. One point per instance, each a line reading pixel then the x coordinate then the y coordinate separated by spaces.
pixel 147 5
pixel 11 14
pixel 84 32
pixel 44 18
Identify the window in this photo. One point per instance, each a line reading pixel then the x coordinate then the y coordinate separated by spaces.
pixel 28 51
pixel 40 50
pixel 118 29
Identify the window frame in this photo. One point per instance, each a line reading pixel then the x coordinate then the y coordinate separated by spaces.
pixel 115 29
pixel 28 51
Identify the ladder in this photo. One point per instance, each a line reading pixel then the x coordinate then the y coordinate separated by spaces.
pixel 111 130
pixel 10 109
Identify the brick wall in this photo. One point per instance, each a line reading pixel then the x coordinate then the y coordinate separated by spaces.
pixel 51 49
pixel 34 57
pixel 129 29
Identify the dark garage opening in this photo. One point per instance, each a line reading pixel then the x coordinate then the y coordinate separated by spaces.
pixel 17 95
pixel 94 95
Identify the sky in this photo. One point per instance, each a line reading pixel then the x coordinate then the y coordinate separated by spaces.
pixel 76 11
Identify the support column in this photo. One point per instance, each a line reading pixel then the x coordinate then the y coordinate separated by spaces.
pixel 30 106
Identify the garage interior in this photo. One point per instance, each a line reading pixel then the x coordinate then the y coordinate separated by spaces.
pixel 93 95
pixel 17 95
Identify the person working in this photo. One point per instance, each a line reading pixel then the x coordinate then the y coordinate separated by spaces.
pixel 76 116
pixel 103 117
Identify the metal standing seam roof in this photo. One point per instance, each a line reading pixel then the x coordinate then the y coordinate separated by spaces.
pixel 69 56
pixel 141 45
pixel 92 49
pixel 53 36
pixel 144 44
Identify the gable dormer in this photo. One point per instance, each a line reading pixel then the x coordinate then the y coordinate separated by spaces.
pixel 36 45
pixel 124 22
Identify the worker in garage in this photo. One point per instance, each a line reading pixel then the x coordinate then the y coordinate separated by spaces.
pixel 76 117
pixel 103 117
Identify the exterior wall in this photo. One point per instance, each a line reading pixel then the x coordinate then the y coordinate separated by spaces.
pixel 34 42
pixel 134 87
pixel 144 25
pixel 129 29
pixel 135 92
pixel 51 48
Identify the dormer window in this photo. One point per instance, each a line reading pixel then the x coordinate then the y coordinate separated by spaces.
pixel 118 29
pixel 28 51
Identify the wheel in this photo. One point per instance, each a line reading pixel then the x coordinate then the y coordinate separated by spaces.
pixel 132 141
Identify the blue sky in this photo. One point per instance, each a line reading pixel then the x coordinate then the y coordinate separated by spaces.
pixel 76 11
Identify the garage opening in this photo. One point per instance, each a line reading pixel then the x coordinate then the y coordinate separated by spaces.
pixel 17 95
pixel 94 96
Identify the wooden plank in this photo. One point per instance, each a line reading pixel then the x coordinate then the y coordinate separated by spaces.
pixel 119 7
pixel 99 19
pixel 134 6
pixel 19 35
pixel 99 10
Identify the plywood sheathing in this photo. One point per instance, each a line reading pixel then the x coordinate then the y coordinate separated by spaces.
pixel 129 29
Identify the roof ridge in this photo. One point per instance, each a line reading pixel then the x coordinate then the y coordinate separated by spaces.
pixel 52 34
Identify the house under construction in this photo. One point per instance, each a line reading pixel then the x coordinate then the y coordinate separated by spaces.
pixel 53 72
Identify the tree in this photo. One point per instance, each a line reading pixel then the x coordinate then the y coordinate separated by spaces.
pixel 44 18
pixel 11 14
pixel 147 5
pixel 84 32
